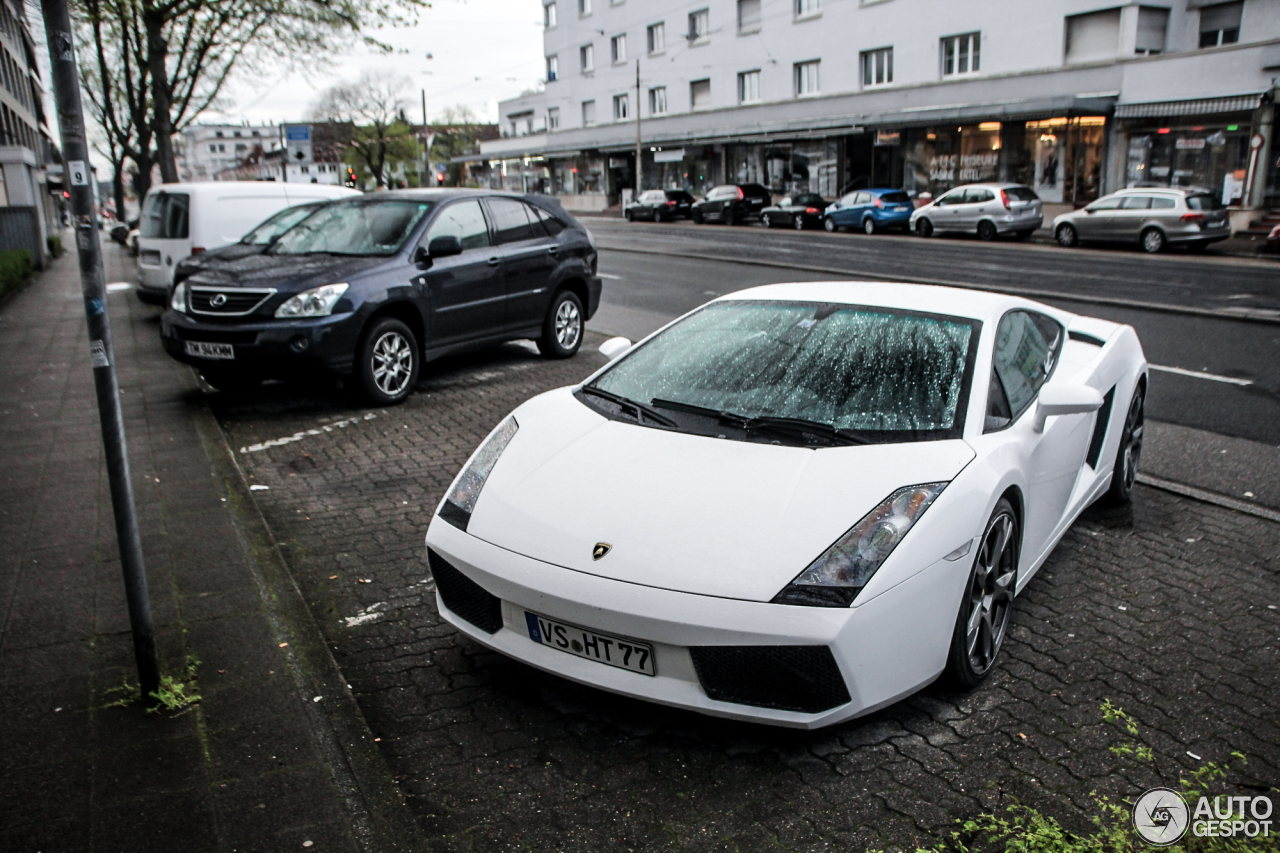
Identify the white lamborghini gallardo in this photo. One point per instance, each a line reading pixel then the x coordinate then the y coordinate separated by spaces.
pixel 796 504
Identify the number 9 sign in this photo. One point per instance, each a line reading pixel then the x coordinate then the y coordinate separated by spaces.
pixel 79 174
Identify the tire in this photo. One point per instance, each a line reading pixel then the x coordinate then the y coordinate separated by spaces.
pixel 924 227
pixel 869 226
pixel 987 231
pixel 631 217
pixel 1066 236
pixel 1152 241
pixel 696 216
pixel 230 380
pixel 764 220
pixel 1128 453
pixel 563 328
pixel 830 224
pixel 987 606
pixel 387 362
pixel 797 222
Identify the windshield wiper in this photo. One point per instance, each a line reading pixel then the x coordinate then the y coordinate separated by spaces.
pixel 793 426
pixel 637 410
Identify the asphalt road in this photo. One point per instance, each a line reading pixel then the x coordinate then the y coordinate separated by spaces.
pixel 644 290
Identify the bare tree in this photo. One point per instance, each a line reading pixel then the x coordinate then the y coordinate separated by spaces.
pixel 373 108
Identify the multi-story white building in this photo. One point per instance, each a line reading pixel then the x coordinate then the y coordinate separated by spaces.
pixel 1072 97
pixel 204 150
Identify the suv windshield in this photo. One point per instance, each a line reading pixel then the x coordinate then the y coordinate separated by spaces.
pixel 883 374
pixel 278 224
pixel 354 228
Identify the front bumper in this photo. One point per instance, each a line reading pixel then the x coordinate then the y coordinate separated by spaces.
pixel 886 648
pixel 594 286
pixel 269 347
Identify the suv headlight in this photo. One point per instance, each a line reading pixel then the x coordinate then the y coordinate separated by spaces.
pixel 836 577
pixel 460 501
pixel 178 301
pixel 316 302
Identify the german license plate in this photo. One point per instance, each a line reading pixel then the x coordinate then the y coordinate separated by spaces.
pixel 601 648
pixel 200 349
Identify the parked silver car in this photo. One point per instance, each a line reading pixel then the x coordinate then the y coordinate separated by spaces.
pixel 987 210
pixel 1152 217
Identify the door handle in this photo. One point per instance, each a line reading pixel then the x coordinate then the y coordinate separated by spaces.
pixel 493 262
pixel 553 250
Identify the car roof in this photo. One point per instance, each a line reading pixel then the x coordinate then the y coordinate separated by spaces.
pixel 927 298
pixel 1182 191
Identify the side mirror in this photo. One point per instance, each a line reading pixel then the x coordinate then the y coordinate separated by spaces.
pixel 1064 399
pixel 443 247
pixel 615 347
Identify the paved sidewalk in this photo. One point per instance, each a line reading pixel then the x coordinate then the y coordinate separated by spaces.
pixel 275 756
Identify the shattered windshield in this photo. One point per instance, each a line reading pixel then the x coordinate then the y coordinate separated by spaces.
pixel 354 228
pixel 875 373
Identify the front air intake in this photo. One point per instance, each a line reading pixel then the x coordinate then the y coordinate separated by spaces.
pixel 465 597
pixel 787 678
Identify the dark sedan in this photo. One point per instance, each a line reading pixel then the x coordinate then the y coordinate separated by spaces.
pixel 659 205
pixel 375 286
pixel 732 203
pixel 795 211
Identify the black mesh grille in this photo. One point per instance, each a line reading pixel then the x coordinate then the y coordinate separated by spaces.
pixel 788 678
pixel 464 596
pixel 229 301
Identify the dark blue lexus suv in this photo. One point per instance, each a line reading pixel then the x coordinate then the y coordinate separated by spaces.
pixel 374 286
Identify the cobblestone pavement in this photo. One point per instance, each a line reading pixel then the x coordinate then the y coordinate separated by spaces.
pixel 1168 610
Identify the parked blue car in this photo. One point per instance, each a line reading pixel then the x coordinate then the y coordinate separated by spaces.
pixel 871 210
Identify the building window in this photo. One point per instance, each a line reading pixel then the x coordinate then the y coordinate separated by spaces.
pixel 699 25
pixel 1152 25
pixel 553 118
pixel 657 36
pixel 587 57
pixel 960 54
pixel 808 8
pixel 618 47
pixel 748 16
pixel 807 78
pixel 1220 24
pixel 222 149
pixel 749 87
pixel 584 7
pixel 620 107
pixel 549 16
pixel 553 68
pixel 213 149
pixel 700 94
pixel 588 113
pixel 658 100
pixel 1093 36
pixel 877 67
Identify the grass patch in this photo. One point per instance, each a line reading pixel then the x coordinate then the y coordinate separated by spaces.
pixel 173 696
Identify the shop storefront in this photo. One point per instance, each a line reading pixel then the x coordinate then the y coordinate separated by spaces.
pixel 1210 152
pixel 786 167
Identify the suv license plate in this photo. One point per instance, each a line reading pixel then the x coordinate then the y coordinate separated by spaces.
pixel 200 349
pixel 601 648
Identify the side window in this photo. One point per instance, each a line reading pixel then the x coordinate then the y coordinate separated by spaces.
pixel 1136 202
pixel 1162 203
pixel 953 197
pixel 847 200
pixel 510 222
pixel 998 414
pixel 979 196
pixel 464 220
pixel 552 225
pixel 1106 204
pixel 1026 351
pixel 863 198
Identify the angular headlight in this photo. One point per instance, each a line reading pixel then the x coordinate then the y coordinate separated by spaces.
pixel 836 578
pixel 178 301
pixel 316 302
pixel 460 501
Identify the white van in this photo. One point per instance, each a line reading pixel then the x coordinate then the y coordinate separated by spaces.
pixel 184 219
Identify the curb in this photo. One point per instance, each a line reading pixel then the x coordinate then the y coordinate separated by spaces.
pixel 378 816
pixel 1265 316
pixel 1205 496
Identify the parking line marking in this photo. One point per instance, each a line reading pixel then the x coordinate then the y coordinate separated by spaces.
pixel 118 285
pixel 298 436
pixel 606 275
pixel 1196 374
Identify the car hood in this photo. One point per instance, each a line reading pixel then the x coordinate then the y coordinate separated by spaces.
pixel 685 512
pixel 284 272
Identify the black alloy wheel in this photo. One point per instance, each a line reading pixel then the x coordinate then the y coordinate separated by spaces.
pixel 1125 473
pixel 924 227
pixel 563 327
pixel 1066 236
pixel 987 230
pixel 987 605
pixel 797 222
pixel 868 226
pixel 387 362
pixel 1152 241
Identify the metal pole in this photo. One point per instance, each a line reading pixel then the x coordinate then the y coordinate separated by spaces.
pixel 75 151
pixel 426 140
pixel 284 155
pixel 639 162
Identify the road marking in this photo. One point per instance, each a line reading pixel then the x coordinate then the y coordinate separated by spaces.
pixel 1230 380
pixel 606 275
pixel 298 436
pixel 119 285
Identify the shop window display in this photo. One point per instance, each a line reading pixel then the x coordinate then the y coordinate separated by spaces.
pixel 1214 156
